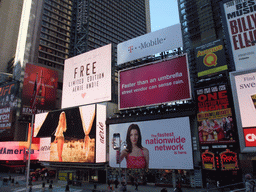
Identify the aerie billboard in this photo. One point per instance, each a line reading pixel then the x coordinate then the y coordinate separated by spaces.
pixel 87 78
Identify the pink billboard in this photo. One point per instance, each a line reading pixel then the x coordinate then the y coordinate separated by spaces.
pixel 155 83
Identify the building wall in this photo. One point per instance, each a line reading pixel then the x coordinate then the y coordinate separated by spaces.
pixel 10 13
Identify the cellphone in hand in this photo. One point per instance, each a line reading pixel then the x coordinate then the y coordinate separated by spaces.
pixel 116 139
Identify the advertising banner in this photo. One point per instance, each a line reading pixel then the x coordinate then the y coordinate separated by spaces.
pixel 69 135
pixel 210 58
pixel 214 116
pixel 240 25
pixel 87 78
pixel 152 43
pixel 18 151
pixel 156 144
pixel 244 90
pixel 8 104
pixel 39 89
pixel 154 83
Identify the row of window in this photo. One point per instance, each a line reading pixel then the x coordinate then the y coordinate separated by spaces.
pixel 49 63
pixel 58 21
pixel 68 6
pixel 50 57
pixel 55 40
pixel 52 51
pixel 53 45
pixel 52 27
pixel 54 10
pixel 64 19
pixel 120 24
pixel 56 25
pixel 123 15
pixel 55 34
pixel 116 31
pixel 62 2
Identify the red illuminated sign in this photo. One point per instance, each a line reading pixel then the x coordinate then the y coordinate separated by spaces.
pixel 208 159
pixel 228 160
pixel 250 137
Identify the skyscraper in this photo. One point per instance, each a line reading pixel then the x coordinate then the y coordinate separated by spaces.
pixel 53 30
pixel 100 22
pixel 201 24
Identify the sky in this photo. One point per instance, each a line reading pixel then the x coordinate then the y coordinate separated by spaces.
pixel 163 13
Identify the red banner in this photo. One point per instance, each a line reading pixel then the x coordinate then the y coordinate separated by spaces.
pixel 40 85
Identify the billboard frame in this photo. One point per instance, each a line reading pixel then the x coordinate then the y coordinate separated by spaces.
pixel 152 63
pixel 243 147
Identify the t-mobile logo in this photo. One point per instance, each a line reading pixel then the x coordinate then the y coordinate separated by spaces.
pixel 130 49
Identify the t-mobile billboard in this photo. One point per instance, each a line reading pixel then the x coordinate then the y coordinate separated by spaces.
pixel 87 78
pixel 154 83
pixel 155 42
pixel 244 92
pixel 239 22
pixel 141 145
pixel 72 134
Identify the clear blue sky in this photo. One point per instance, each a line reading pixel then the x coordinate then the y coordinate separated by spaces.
pixel 163 13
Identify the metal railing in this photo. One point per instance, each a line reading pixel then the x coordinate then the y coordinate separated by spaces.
pixel 236 187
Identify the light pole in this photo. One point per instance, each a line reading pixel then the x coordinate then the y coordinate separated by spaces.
pixel 29 152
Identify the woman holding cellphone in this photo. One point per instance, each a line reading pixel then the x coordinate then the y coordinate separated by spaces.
pixel 136 155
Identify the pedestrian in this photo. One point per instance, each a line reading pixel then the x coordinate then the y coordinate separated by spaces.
pixel 178 186
pixel 67 188
pixel 50 187
pixel 123 188
pixel 249 183
pixel 12 181
pixel 109 185
pixel 43 186
pixel 30 189
pixel 136 185
pixel 116 183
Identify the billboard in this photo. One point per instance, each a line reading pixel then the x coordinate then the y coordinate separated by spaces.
pixel 243 85
pixel 39 89
pixel 210 58
pixel 70 135
pixel 214 116
pixel 155 42
pixel 8 104
pixel 167 147
pixel 87 78
pixel 142 86
pixel 239 24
